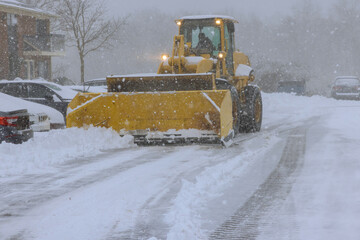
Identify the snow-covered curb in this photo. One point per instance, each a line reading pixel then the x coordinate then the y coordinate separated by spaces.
pixel 57 146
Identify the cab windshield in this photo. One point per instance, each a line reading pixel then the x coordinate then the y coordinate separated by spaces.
pixel 203 35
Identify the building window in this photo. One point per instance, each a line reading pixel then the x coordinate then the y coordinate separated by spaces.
pixel 13 54
pixel 29 69
pixel 43 69
pixel 11 19
pixel 41 27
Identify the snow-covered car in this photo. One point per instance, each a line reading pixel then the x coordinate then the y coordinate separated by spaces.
pixel 94 86
pixel 15 126
pixel 346 87
pixel 40 91
pixel 40 115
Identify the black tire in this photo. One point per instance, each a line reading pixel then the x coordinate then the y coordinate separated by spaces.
pixel 251 114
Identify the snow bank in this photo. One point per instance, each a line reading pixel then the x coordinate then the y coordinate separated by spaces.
pixel 56 147
pixel 291 110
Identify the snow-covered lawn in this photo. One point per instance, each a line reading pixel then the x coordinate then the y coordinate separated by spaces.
pixel 47 150
pixel 187 192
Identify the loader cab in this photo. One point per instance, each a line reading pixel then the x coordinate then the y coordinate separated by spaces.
pixel 219 30
pixel 192 30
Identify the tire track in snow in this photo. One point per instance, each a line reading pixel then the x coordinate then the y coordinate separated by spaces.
pixel 30 191
pixel 150 221
pixel 246 222
pixel 150 218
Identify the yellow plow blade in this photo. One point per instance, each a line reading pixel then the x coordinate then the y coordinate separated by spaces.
pixel 152 116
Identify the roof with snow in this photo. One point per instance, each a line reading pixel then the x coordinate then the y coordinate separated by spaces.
pixel 16 7
pixel 209 17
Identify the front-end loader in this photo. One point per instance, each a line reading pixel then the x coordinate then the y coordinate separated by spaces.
pixel 200 93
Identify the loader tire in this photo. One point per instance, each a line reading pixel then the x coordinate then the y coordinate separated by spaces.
pixel 251 115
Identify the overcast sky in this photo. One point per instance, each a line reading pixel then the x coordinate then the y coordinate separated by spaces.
pixel 264 8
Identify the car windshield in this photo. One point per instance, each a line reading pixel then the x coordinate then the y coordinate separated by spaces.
pixel 96 82
pixel 347 81
pixel 62 91
pixel 53 87
pixel 192 30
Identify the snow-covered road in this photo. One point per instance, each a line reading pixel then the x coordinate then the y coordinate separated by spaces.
pixel 299 178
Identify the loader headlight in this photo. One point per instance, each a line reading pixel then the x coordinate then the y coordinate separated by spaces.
pixel 221 55
pixel 178 23
pixel 164 57
pixel 218 21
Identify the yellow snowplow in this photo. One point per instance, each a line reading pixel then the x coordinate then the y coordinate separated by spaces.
pixel 201 93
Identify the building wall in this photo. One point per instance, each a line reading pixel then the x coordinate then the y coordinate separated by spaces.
pixel 26 26
pixel 4 59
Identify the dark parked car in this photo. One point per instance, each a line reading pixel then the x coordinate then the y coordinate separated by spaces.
pixel 346 88
pixel 297 87
pixel 40 91
pixel 15 126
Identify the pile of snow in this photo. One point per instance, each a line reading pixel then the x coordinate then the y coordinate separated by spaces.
pixel 56 147
pixel 243 70
pixel 183 218
pixel 9 103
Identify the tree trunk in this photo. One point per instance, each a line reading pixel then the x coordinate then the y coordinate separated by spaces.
pixel 82 68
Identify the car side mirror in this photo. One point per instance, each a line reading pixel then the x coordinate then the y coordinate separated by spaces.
pixel 49 98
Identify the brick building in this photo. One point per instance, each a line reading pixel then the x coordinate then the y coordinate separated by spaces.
pixel 26 45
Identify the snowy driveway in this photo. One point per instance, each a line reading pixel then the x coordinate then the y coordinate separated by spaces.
pixel 296 179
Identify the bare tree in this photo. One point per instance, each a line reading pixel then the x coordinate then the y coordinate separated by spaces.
pixel 88 27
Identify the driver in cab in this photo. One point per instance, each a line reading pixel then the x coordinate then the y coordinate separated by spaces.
pixel 204 43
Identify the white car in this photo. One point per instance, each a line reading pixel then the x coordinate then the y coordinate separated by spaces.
pixel 92 86
pixel 346 87
pixel 41 116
